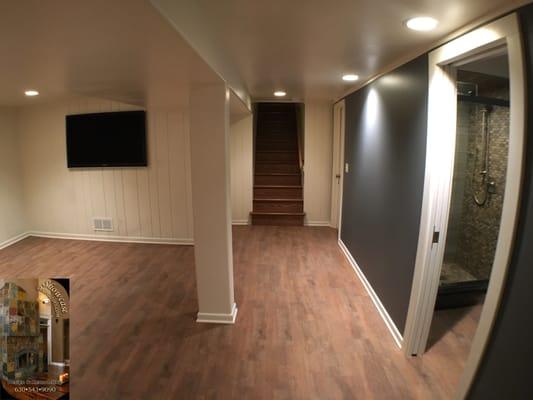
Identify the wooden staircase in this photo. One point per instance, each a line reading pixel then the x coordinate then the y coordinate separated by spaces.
pixel 278 191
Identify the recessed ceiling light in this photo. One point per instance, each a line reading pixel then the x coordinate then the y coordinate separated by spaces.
pixel 423 24
pixel 350 77
pixel 31 93
pixel 279 93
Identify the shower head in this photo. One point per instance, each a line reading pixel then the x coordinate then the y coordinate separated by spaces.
pixel 467 88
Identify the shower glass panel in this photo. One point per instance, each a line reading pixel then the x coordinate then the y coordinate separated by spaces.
pixel 482 146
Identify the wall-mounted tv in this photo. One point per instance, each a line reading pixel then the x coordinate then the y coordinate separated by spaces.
pixel 113 139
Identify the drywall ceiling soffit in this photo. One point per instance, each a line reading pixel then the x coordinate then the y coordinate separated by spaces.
pixel 238 109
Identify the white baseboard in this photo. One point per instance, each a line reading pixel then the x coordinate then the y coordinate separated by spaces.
pixel 240 222
pixel 317 223
pixel 13 240
pixel 218 318
pixel 104 238
pixel 375 299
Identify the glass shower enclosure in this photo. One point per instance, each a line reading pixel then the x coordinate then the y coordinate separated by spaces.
pixel 482 147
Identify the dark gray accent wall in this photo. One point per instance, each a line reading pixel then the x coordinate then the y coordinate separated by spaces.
pixel 385 146
pixel 506 370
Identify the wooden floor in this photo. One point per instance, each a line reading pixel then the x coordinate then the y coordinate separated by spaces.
pixel 306 328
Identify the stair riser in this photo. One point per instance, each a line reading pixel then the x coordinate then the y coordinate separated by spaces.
pixel 275 148
pixel 276 131
pixel 293 144
pixel 277 180
pixel 278 137
pixel 276 121
pixel 280 220
pixel 276 134
pixel 274 145
pixel 282 168
pixel 272 156
pixel 278 193
pixel 274 162
pixel 278 206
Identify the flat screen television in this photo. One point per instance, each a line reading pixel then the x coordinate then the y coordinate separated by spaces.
pixel 113 139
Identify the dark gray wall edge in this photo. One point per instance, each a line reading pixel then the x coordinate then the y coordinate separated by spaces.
pixel 385 146
pixel 506 370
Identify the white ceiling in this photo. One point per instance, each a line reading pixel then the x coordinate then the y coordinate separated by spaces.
pixel 125 50
pixel 304 46
pixel 120 49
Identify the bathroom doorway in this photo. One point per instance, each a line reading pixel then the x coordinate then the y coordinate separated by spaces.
pixel 474 163
pixel 478 185
pixel 476 203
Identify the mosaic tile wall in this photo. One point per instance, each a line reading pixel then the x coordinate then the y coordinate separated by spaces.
pixel 19 331
pixel 473 230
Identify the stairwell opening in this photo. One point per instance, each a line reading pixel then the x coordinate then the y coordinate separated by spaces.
pixel 278 165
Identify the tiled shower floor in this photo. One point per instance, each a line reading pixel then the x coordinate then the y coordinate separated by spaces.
pixel 453 272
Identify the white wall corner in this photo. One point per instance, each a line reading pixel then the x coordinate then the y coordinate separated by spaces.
pixel 211 318
pixel 397 336
pixel 13 240
pixel 240 222
pixel 106 238
pixel 318 223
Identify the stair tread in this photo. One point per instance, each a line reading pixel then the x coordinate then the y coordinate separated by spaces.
pixel 277 151
pixel 277 173
pixel 277 186
pixel 258 161
pixel 279 200
pixel 300 214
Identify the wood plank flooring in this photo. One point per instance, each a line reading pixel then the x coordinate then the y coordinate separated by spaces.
pixel 306 328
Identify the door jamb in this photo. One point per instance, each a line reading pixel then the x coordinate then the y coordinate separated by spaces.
pixel 338 163
pixel 438 180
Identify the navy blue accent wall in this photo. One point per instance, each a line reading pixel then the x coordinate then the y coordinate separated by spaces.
pixel 506 371
pixel 385 146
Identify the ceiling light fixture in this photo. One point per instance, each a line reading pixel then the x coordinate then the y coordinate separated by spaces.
pixel 280 93
pixel 422 24
pixel 31 93
pixel 350 77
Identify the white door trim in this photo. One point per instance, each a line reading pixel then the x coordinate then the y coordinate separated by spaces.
pixel 337 164
pixel 438 181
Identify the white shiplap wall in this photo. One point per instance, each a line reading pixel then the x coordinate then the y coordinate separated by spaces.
pixel 152 203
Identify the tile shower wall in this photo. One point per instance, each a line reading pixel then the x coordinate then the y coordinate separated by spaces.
pixel 473 230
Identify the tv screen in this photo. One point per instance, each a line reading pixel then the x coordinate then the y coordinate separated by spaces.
pixel 114 139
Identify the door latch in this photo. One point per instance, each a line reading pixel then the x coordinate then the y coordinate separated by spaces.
pixel 436 236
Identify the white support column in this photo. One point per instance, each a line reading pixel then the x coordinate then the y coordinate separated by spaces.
pixel 209 125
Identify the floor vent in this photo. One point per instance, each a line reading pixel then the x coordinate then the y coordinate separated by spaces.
pixel 103 224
